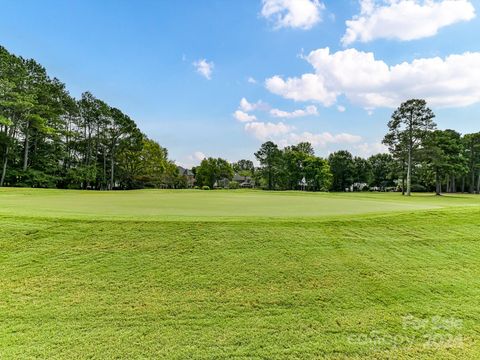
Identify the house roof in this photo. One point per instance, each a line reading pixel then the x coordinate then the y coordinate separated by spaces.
pixel 239 178
pixel 184 171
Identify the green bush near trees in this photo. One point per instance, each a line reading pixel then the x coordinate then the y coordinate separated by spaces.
pixel 233 185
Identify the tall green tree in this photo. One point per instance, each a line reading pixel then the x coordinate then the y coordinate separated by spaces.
pixel 343 170
pixel 317 173
pixel 472 153
pixel 382 170
pixel 48 138
pixel 143 163
pixel 444 154
pixel 408 127
pixel 269 156
pixel 362 170
pixel 118 127
pixel 212 170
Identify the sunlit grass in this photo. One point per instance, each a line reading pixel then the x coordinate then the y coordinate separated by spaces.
pixel 197 285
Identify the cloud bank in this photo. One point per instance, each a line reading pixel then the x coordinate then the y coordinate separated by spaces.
pixel 404 19
pixel 301 14
pixel 453 81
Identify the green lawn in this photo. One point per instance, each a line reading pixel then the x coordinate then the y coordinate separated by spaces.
pixel 238 274
pixel 213 205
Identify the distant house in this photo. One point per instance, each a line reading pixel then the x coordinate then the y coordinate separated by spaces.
pixel 358 186
pixel 188 175
pixel 221 184
pixel 244 181
pixel 303 184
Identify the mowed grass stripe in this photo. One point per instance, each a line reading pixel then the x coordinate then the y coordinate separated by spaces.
pixel 244 289
pixel 202 205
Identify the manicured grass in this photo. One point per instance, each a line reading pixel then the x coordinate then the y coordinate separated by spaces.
pixel 202 275
pixel 213 205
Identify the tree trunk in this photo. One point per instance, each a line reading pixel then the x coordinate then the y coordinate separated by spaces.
pixel 463 184
pixel 11 135
pixel 478 184
pixel 438 184
pixel 403 179
pixel 4 166
pixel 104 169
pixel 270 180
pixel 25 151
pixel 454 185
pixel 472 181
pixel 112 170
pixel 409 172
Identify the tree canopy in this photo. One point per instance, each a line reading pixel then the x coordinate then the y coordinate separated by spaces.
pixel 50 139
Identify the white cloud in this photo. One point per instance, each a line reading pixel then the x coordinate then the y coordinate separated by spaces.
pixel 243 116
pixel 251 80
pixel 264 131
pixel 246 106
pixel 450 82
pixel 369 149
pixel 198 155
pixel 309 110
pixel 192 160
pixel 405 19
pixel 306 87
pixel 302 14
pixel 320 140
pixel 285 135
pixel 204 68
pixel 341 108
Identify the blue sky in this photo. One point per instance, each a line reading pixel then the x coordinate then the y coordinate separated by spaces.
pixel 141 56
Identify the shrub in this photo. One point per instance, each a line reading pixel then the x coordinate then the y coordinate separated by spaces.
pixel 418 188
pixel 34 178
pixel 233 185
pixel 196 187
pixel 205 187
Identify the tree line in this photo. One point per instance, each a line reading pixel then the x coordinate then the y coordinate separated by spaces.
pixel 50 139
pixel 421 158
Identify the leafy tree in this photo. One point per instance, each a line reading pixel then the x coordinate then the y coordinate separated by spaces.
pixel 343 170
pixel 292 165
pixel 118 127
pixel 212 170
pixel 304 148
pixel 362 170
pixel 244 167
pixel 317 173
pixel 269 157
pixel 49 139
pixel 145 165
pixel 444 154
pixel 408 127
pixel 472 152
pixel 382 170
pixel 290 168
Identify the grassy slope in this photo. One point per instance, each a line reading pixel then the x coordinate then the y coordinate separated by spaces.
pixel 204 205
pixel 202 287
